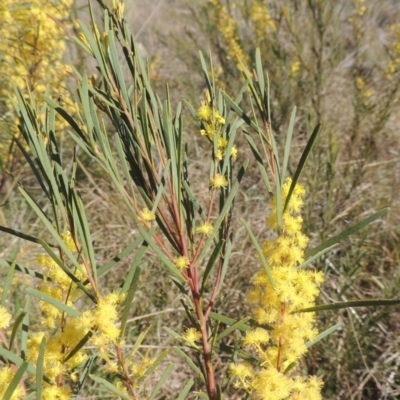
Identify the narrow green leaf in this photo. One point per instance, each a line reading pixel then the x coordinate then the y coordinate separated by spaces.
pixel 347 232
pixel 85 371
pixel 119 257
pixel 260 73
pixel 240 112
pixel 323 335
pixel 15 381
pixel 185 390
pixel 231 142
pixel 316 256
pixel 7 284
pixel 22 235
pixel 259 252
pixel 260 162
pixel 227 256
pixel 116 66
pixel 192 198
pixel 124 165
pixel 50 228
pixel 87 239
pixel 161 381
pixel 33 168
pixel 302 162
pixel 229 321
pixel 189 362
pixel 239 325
pixel 50 300
pixel 192 111
pixel 288 143
pixel 278 198
pixel 25 329
pixel 161 187
pixel 95 48
pixel 348 304
pixel 17 323
pixel 171 332
pixel 211 262
pixel 206 76
pixel 139 341
pixel 110 386
pixel 268 106
pixel 39 368
pixel 18 361
pixel 71 121
pixel 25 270
pixel 157 362
pixel 132 280
pixel 79 345
pixel 225 209
pixel 166 261
pixel 62 265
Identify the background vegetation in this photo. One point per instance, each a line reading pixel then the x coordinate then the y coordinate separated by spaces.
pixel 339 63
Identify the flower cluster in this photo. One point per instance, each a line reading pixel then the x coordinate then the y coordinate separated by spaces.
pixel 212 122
pixel 61 355
pixel 31 51
pixel 394 48
pixel 211 119
pixel 227 26
pixel 262 19
pixel 280 348
pixel 32 44
pixel 6 376
pixel 357 18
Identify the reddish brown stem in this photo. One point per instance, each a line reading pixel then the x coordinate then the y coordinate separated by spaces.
pixel 210 380
pixel 129 382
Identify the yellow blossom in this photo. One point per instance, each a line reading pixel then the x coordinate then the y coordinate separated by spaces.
pixel 234 152
pixel 218 182
pixel 181 262
pixel 206 229
pixel 5 318
pixel 191 335
pixel 6 376
pixel 147 215
pixel 294 289
pixel 204 112
pixel 69 242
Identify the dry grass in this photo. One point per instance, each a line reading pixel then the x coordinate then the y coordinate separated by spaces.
pixel 361 361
